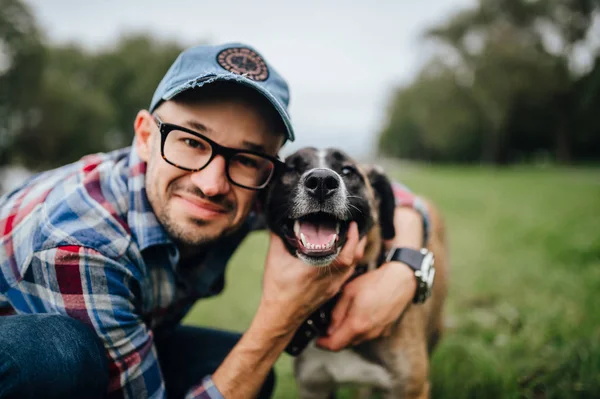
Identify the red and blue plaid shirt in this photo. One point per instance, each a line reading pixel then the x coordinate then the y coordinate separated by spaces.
pixel 82 241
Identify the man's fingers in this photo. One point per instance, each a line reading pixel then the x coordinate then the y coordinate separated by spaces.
pixel 339 339
pixel 352 330
pixel 346 256
pixel 360 249
pixel 339 312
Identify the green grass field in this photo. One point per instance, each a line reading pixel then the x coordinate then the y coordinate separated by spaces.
pixel 523 312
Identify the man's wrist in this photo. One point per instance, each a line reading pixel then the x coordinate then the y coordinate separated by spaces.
pixel 275 320
pixel 402 274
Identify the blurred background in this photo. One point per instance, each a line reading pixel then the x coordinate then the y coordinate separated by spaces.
pixel 488 107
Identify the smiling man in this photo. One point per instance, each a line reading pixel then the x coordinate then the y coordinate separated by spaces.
pixel 101 259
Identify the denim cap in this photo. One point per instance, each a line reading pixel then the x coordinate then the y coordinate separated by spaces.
pixel 235 62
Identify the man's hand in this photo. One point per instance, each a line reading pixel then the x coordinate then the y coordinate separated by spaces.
pixel 370 304
pixel 293 289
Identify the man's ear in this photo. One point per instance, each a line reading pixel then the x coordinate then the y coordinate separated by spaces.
pixel 143 127
pixel 384 196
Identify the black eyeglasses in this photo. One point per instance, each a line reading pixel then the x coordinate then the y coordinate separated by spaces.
pixel 191 151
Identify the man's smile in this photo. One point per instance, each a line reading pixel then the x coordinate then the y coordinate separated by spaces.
pixel 199 207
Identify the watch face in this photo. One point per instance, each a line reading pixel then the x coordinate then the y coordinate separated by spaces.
pixel 428 269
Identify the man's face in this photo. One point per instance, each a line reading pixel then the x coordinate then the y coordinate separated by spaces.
pixel 198 207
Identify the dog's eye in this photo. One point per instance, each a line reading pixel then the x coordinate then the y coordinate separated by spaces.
pixel 348 170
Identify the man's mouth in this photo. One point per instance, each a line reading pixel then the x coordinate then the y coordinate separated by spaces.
pixel 201 208
pixel 318 237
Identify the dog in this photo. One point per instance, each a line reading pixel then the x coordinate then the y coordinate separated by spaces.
pixel 310 205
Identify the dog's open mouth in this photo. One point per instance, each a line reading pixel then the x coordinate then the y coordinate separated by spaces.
pixel 318 237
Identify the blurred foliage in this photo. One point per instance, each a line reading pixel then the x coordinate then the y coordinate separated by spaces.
pixel 506 86
pixel 58 103
pixel 22 56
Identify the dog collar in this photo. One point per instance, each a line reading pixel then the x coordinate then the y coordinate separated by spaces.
pixel 318 322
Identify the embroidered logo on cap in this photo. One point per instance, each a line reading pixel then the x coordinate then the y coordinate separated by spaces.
pixel 244 61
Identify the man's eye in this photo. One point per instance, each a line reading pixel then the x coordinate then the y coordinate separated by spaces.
pixel 248 162
pixel 194 144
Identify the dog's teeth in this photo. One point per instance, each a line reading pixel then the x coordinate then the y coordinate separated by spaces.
pixel 304 242
pixel 332 240
pixel 297 227
pixel 337 228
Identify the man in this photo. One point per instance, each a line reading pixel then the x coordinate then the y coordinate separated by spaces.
pixel 101 259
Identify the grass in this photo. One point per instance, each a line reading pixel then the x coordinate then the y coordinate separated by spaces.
pixel 523 313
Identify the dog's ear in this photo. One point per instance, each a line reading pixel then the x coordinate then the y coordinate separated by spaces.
pixel 384 195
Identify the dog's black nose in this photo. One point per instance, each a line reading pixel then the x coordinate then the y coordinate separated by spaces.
pixel 321 183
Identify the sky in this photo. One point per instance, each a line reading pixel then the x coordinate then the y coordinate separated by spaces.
pixel 342 59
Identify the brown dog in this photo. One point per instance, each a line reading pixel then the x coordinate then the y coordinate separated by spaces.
pixel 310 205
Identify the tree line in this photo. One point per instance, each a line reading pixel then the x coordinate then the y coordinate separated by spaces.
pixel 59 102
pixel 511 81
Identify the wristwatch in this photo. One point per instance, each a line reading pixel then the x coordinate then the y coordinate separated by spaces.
pixel 422 262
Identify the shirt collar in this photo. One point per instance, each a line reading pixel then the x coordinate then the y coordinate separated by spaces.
pixel 145 228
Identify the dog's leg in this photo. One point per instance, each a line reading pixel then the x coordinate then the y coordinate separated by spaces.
pixel 312 376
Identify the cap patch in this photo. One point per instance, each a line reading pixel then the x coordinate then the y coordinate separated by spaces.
pixel 244 61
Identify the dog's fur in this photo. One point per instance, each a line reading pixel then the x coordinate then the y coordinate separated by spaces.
pixel 397 365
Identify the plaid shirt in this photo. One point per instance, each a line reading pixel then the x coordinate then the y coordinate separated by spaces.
pixel 82 241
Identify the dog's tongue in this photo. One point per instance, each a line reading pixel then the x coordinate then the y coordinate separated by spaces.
pixel 318 234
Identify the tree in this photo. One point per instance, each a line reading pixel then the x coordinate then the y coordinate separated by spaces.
pixel 434 118
pixel 87 101
pixel 502 41
pixel 508 70
pixel 22 58
pixel 128 74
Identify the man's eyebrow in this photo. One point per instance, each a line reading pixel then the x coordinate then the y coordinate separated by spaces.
pixel 254 147
pixel 195 125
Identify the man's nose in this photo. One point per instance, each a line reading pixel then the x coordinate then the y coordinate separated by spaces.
pixel 321 183
pixel 212 180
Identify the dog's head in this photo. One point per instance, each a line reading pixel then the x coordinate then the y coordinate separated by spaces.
pixel 311 203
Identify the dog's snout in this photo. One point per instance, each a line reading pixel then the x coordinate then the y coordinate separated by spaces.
pixel 321 183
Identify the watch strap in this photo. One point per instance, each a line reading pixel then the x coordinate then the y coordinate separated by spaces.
pixel 411 257
pixel 414 259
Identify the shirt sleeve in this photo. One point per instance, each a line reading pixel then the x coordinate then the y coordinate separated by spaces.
pixel 206 390
pixel 84 284
pixel 405 197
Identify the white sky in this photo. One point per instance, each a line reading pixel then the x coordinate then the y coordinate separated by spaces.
pixel 341 58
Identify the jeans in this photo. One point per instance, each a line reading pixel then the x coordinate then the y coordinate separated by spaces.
pixel 53 356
